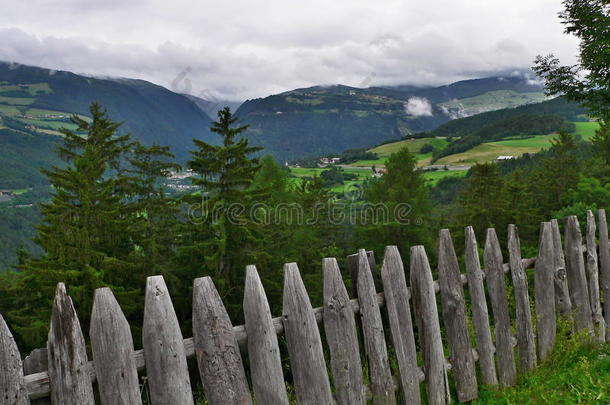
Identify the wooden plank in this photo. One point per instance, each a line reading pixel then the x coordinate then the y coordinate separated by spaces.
pixel 454 316
pixel 69 370
pixel 382 384
pixel 526 343
pixel 562 293
pixel 263 350
pixel 37 361
pixel 220 366
pixel 401 326
pixel 480 315
pixel 496 287
pixel 599 325
pixel 426 314
pixel 166 366
pixel 577 279
pixel 304 345
pixel 352 267
pixel 112 347
pixel 545 291
pixel 12 382
pixel 342 337
pixel 604 268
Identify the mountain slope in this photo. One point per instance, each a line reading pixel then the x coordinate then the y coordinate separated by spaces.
pixel 327 119
pixel 151 113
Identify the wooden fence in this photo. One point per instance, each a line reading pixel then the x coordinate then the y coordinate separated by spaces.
pixel 567 282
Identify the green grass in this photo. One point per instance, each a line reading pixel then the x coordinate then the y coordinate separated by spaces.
pixel 433 177
pixel 576 372
pixel 586 129
pixel 16 100
pixel 414 146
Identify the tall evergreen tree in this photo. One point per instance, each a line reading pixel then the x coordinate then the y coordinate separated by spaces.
pixel 220 238
pixel 83 229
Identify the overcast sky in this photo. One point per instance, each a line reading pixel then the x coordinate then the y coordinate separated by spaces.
pixel 245 49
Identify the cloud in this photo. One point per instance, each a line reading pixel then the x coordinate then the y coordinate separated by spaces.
pixel 418 107
pixel 243 49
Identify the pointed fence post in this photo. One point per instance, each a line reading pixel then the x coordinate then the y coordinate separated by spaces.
pixel 166 366
pixel 604 268
pixel 545 292
pixel 577 279
pixel 113 353
pixel 342 337
pixel 382 384
pixel 352 267
pixel 304 345
pixel 424 301
pixel 525 332
pixel 562 293
pixel 454 316
pixel 499 304
pixel 480 314
pixel 263 350
pixel 69 371
pixel 401 326
pixel 220 366
pixel 599 324
pixel 12 384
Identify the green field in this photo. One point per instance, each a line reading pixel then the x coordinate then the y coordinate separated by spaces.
pixel 433 177
pixel 586 129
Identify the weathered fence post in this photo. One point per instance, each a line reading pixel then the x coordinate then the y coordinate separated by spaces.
pixel 401 326
pixel 263 350
pixel 166 366
pixel 342 337
pixel 480 315
pixel 577 279
pixel 382 384
pixel 562 293
pixel 525 331
pixel 604 268
pixel 220 366
pixel 545 292
pixel 352 267
pixel 37 361
pixel 424 301
pixel 69 371
pixel 304 345
pixel 593 277
pixel 499 304
pixel 112 347
pixel 12 384
pixel 454 316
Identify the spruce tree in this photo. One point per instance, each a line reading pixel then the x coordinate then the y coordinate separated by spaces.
pixel 83 229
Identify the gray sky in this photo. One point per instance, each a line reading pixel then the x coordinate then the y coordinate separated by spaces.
pixel 244 49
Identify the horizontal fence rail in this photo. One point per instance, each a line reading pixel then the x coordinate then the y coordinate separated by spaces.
pixel 361 334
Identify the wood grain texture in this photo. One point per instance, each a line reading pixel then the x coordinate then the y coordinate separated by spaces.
pixel 166 366
pixel 592 266
pixel 526 343
pixel 220 365
pixel 12 382
pixel 112 347
pixel 563 303
pixel 480 314
pixel 604 268
pixel 69 370
pixel 454 316
pixel 494 277
pixel 304 345
pixel 545 291
pixel 342 338
pixel 426 315
pixel 37 361
pixel 263 350
pixel 382 384
pixel 577 279
pixel 401 326
pixel 352 267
